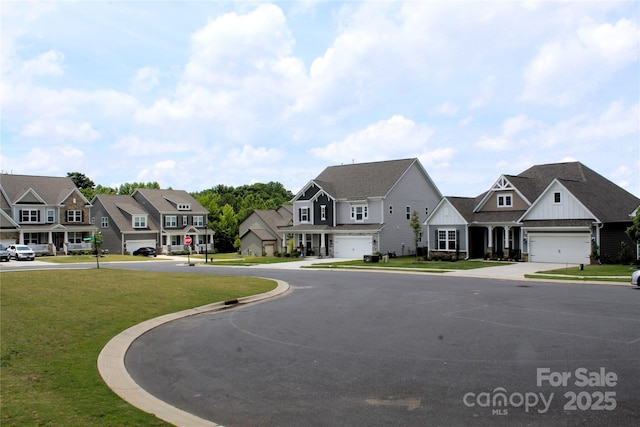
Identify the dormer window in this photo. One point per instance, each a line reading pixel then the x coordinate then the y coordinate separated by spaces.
pixel 505 200
pixel 139 221
pixel 184 207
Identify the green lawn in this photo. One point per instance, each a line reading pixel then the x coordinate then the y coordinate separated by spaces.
pixel 251 260
pixel 70 259
pixel 604 273
pixel 55 323
pixel 411 262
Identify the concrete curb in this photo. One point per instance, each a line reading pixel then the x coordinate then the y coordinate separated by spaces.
pixel 114 372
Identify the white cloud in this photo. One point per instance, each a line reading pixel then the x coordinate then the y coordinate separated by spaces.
pixel 49 63
pixel 564 71
pixel 499 143
pixel 60 130
pixel 145 79
pixel 395 137
pixel 445 109
pixel 135 147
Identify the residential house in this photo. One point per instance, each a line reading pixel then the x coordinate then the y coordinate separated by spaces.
pixel 176 214
pixel 562 212
pixel 353 210
pixel 259 234
pixel 49 214
pixel 124 224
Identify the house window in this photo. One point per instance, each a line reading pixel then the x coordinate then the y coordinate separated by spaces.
pixel 390 210
pixel 408 212
pixel 171 221
pixel 426 211
pixel 447 240
pixel 30 238
pixel 198 221
pixel 304 214
pixel 104 222
pixel 75 237
pixel 185 220
pixel 184 207
pixel 29 215
pixel 74 216
pixel 505 200
pixel 50 216
pixel 140 221
pixel 359 213
pixel 323 212
pixel 557 198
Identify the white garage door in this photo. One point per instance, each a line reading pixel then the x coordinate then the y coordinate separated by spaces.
pixel 133 245
pixel 351 246
pixel 572 248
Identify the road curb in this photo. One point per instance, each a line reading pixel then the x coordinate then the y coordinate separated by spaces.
pixel 114 373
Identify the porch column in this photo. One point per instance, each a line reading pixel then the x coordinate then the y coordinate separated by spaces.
pixel 506 240
pixel 284 243
pixel 50 238
pixel 322 247
pixel 490 240
pixel 21 238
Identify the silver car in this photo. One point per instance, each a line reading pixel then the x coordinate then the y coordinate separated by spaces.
pixel 21 252
pixel 4 255
pixel 635 278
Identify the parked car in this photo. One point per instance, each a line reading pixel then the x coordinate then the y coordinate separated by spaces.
pixel 635 278
pixel 21 252
pixel 146 251
pixel 4 255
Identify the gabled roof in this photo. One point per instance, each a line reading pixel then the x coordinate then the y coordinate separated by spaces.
pixel 51 189
pixel 120 208
pixel 363 180
pixel 606 200
pixel 272 219
pixel 165 201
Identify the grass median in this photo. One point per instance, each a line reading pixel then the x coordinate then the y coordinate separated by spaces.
pixel 413 263
pixel 55 323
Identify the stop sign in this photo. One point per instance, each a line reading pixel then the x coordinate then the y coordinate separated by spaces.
pixel 187 240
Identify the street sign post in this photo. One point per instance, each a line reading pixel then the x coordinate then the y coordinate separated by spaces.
pixel 187 241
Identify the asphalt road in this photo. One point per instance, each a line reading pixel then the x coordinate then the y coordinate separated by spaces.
pixel 371 349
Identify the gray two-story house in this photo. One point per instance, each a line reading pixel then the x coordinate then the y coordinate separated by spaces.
pixel 353 210
pixel 124 224
pixel 47 213
pixel 176 214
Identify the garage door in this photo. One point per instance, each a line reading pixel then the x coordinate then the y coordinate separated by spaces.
pixel 351 246
pixel 133 245
pixel 572 248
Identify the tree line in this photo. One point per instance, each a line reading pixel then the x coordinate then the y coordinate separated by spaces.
pixel 227 205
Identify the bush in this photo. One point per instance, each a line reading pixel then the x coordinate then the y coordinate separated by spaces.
pixel 625 256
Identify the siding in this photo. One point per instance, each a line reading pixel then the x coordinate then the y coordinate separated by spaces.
pixel 611 238
pixel 568 208
pixel 413 190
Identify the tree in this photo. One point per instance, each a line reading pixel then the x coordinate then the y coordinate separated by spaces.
pixel 415 225
pixel 634 231
pixel 84 184
pixel 129 187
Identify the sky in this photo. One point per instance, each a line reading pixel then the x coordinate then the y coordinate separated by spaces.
pixel 193 94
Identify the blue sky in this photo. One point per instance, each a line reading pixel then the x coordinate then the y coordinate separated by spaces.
pixel 199 93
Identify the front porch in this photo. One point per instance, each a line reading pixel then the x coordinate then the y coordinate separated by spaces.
pixel 497 242
pixel 57 241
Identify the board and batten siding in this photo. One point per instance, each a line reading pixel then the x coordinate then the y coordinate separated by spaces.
pixel 568 208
